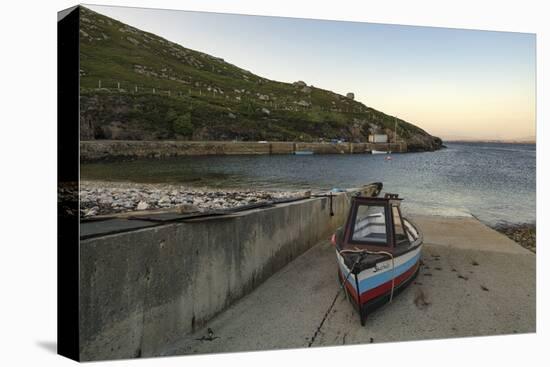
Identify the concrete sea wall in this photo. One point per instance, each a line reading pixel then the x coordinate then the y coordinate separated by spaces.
pixel 142 290
pixel 104 149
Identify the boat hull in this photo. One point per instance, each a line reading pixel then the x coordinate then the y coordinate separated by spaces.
pixel 371 288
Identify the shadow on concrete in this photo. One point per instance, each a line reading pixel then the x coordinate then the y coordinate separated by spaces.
pixel 50 346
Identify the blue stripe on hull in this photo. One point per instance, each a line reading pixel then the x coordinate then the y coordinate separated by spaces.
pixel 378 279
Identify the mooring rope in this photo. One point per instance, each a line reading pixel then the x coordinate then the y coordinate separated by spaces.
pixel 364 251
pixel 342 284
pixel 312 340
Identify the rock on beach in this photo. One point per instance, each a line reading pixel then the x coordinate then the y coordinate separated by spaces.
pixel 524 234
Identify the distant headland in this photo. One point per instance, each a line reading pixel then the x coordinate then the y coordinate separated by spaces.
pixel 137 86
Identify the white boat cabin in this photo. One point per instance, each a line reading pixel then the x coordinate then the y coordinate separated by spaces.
pixel 377 223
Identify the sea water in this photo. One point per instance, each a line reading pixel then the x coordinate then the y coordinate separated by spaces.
pixel 494 182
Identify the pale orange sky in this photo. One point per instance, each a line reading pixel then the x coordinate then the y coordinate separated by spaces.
pixel 466 110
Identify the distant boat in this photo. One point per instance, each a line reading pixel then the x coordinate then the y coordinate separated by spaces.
pixel 379 152
pixel 303 152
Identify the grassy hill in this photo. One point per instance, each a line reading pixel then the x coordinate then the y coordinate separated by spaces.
pixel 138 86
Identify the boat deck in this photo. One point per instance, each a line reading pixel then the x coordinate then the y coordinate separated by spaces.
pixel 474 281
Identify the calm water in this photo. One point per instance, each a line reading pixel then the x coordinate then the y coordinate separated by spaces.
pixel 494 182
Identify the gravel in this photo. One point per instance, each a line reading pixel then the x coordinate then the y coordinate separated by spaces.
pixel 99 197
pixel 524 234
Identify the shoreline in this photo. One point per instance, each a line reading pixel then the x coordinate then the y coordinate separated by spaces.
pixel 105 198
pixel 102 198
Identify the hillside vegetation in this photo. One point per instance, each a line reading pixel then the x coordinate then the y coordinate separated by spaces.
pixel 138 86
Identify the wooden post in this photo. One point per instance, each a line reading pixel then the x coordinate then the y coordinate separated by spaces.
pixel 118 85
pixel 153 90
pixel 99 84
pixel 136 89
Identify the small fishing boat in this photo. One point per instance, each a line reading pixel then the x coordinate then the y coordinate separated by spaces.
pixel 378 251
pixel 379 152
pixel 303 152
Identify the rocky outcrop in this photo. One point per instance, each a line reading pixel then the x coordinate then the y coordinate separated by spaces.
pixel 423 143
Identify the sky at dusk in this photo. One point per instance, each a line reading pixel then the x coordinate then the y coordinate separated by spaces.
pixel 453 83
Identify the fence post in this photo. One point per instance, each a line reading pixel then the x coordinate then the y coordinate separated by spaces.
pixel 136 89
pixel 99 84
pixel 153 90
pixel 118 85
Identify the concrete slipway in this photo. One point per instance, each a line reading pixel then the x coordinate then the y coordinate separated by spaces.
pixel 474 281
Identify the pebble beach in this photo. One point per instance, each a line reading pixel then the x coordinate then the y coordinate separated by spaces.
pixel 103 198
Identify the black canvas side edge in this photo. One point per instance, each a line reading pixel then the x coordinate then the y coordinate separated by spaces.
pixel 68 185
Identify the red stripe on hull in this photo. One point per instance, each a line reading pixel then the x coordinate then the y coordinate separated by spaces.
pixel 349 286
pixel 381 289
pixel 386 287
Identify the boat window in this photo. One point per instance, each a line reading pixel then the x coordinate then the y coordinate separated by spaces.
pixel 411 231
pixel 401 237
pixel 370 225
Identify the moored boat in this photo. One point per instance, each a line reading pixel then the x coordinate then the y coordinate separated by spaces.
pixel 378 252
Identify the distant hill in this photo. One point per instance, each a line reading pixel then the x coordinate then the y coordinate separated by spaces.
pixel 138 86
